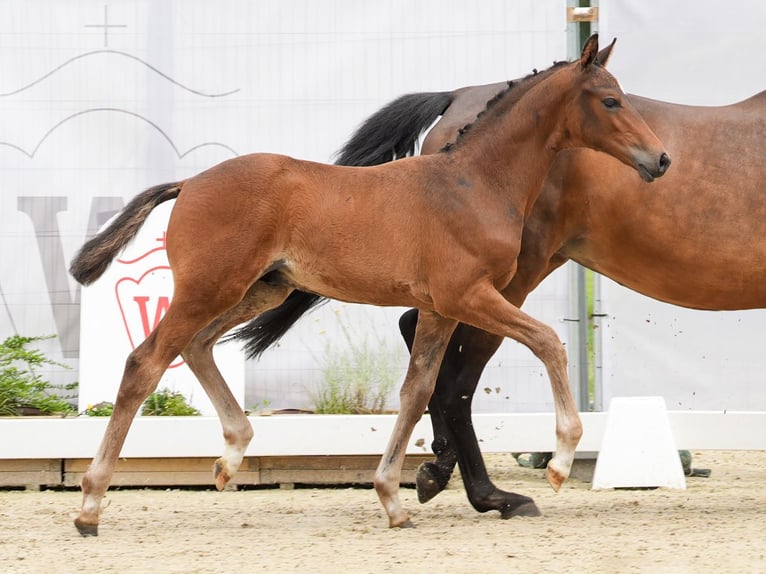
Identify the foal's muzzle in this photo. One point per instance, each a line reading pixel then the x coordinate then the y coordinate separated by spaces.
pixel 654 169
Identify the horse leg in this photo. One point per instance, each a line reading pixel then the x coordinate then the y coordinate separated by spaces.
pixel 467 354
pixel 237 430
pixel 432 477
pixel 431 337
pixel 488 309
pixel 454 438
pixel 143 369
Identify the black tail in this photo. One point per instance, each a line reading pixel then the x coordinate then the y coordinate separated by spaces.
pixel 391 132
pixel 388 134
pixel 97 253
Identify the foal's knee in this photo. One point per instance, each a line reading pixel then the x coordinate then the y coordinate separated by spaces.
pixel 551 348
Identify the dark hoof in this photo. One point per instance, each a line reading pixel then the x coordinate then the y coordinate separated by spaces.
pixel 86 529
pixel 533 459
pixel 686 461
pixel 700 472
pixel 427 482
pixel 526 509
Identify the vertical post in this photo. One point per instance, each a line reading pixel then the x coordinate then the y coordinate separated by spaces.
pixel 583 397
pixel 577 31
pixel 598 315
pixel 578 337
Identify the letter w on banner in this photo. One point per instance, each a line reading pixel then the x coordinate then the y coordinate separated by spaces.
pixel 124 306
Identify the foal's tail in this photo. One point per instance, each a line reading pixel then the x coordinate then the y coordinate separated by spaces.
pixel 97 253
pixel 388 134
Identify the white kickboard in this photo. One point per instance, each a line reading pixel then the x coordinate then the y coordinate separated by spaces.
pixel 638 449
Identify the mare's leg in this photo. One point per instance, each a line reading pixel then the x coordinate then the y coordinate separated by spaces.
pixel 189 312
pixel 484 307
pixel 237 430
pixel 454 437
pixel 467 354
pixel 431 338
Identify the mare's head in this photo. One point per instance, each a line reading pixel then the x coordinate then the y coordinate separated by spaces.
pixel 601 117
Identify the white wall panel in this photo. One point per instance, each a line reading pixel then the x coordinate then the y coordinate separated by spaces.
pixel 705 53
pixel 99 100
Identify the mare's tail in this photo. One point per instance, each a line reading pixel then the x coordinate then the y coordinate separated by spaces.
pixel 392 131
pixel 97 253
pixel 388 134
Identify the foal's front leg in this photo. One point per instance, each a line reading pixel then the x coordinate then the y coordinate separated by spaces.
pixel 487 309
pixel 454 438
pixel 431 337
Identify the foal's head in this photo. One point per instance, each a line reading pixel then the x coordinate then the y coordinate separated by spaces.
pixel 601 117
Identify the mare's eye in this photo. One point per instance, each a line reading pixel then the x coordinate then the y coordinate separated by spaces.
pixel 610 103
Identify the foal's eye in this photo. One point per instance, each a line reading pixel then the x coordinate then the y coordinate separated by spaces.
pixel 610 103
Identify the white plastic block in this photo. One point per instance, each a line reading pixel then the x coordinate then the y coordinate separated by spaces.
pixel 638 449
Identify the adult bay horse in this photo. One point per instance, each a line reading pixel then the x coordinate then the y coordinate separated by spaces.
pixel 695 239
pixel 440 233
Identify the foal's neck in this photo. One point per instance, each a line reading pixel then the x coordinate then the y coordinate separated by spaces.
pixel 513 149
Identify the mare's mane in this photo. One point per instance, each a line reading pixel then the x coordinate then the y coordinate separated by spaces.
pixel 508 97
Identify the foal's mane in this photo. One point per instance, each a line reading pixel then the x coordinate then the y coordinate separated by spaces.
pixel 508 97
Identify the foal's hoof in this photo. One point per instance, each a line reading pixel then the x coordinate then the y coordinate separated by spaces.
pixel 406 524
pixel 555 477
pixel 85 528
pixel 221 476
pixel 427 482
pixel 527 509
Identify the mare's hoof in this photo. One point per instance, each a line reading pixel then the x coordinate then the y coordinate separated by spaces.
pixel 526 509
pixel 86 529
pixel 533 459
pixel 427 482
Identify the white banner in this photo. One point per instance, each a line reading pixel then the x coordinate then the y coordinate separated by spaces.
pixel 691 52
pixel 100 100
pixel 119 311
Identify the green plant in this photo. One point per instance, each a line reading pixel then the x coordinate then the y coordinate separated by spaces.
pixel 165 402
pixel 358 379
pixel 103 409
pixel 21 387
pixel 259 406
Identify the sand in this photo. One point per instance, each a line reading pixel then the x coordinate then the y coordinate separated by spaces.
pixel 718 524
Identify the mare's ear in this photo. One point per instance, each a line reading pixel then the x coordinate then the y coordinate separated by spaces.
pixel 603 55
pixel 589 52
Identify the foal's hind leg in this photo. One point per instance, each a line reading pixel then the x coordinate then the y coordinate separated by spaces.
pixel 431 338
pixel 237 430
pixel 143 369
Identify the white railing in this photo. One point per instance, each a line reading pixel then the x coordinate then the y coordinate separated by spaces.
pixel 300 435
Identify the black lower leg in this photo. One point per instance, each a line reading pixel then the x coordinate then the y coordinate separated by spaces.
pixel 454 437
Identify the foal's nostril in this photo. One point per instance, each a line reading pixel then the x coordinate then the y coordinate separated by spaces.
pixel 664 162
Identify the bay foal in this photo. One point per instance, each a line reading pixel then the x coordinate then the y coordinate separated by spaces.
pixel 440 233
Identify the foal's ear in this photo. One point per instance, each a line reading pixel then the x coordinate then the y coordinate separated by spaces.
pixel 589 52
pixel 603 55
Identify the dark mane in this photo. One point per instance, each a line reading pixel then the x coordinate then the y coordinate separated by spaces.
pixel 505 97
